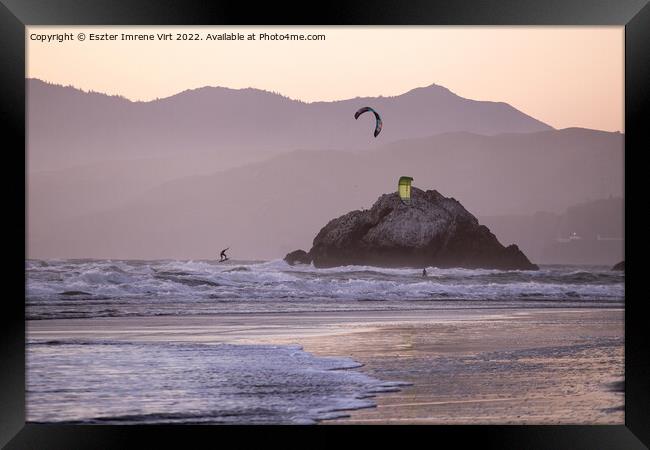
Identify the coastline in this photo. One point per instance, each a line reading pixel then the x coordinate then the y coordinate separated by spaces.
pixel 517 366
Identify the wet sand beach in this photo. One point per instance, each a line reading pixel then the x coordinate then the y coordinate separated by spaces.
pixel 519 366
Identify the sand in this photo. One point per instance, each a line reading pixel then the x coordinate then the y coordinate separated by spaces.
pixel 535 366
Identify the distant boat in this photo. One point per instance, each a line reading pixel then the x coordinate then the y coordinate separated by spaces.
pixel 602 238
pixel 573 237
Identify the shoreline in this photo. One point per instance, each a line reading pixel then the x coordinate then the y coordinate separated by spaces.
pixel 525 366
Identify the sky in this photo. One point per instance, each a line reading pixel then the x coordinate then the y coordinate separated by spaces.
pixel 563 76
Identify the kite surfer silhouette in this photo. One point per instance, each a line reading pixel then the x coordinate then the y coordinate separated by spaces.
pixel 223 255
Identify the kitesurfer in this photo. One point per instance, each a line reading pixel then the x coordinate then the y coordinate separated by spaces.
pixel 223 254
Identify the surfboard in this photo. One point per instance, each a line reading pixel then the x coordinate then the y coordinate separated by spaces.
pixel 223 260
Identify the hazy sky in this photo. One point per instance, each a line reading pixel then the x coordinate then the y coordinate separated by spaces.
pixel 564 76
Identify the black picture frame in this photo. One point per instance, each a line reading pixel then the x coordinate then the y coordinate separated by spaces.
pixel 16 14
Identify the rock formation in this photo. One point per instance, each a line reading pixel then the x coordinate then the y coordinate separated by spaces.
pixel 433 231
pixel 297 257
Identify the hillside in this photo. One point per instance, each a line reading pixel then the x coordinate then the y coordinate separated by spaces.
pixel 268 208
pixel 220 128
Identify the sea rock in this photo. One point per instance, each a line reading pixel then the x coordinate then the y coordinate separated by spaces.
pixel 432 231
pixel 619 266
pixel 298 257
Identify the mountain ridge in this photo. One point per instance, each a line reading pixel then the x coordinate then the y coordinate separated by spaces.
pixel 432 86
pixel 67 126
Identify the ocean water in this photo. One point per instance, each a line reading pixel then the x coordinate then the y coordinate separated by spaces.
pixel 142 383
pixel 93 288
pixel 108 381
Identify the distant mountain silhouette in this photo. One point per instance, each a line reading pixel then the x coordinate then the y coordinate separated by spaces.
pixel 222 128
pixel 598 226
pixel 268 208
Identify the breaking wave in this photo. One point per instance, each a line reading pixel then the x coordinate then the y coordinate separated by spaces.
pixel 96 288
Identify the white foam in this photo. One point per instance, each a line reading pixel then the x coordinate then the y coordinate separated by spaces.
pixel 180 287
pixel 113 382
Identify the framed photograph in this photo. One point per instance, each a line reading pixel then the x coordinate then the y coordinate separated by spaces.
pixel 372 218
